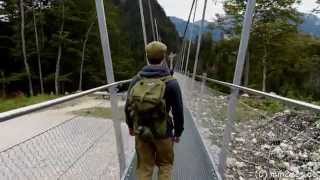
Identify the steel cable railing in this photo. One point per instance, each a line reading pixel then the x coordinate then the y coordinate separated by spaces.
pixel 79 146
pixel 75 148
pixel 22 111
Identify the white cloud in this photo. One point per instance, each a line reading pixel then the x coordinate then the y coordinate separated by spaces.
pixel 307 6
pixel 181 8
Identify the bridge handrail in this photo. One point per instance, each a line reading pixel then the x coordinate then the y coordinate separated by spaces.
pixel 310 106
pixel 36 107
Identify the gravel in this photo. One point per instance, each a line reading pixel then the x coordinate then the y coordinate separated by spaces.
pixel 282 146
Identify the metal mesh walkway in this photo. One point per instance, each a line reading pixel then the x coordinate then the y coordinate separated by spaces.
pixel 191 159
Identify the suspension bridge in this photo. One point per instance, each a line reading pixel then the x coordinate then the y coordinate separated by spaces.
pixel 52 140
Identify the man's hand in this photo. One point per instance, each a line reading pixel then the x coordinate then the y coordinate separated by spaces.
pixel 131 132
pixel 176 139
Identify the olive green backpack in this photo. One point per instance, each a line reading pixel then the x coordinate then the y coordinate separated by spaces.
pixel 148 107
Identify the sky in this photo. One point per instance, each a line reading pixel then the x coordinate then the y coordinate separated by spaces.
pixel 181 8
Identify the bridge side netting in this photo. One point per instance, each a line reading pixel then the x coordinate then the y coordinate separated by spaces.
pixel 73 140
pixel 270 139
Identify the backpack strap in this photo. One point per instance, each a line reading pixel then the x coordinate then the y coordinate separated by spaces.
pixel 167 78
pixel 136 79
pixel 164 78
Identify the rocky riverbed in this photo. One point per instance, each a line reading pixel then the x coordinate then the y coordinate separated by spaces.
pixel 286 145
pixel 283 145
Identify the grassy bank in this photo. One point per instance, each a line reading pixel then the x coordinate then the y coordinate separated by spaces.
pixel 13 103
pixel 99 112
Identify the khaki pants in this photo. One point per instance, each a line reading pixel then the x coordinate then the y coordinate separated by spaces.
pixel 159 153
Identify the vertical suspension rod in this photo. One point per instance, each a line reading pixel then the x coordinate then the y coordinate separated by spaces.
pixel 157 30
pixel 110 78
pixel 199 40
pixel 183 56
pixel 144 33
pixel 190 40
pixel 151 20
pixel 237 81
pixel 185 30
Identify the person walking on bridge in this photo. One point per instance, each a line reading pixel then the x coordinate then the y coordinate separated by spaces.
pixel 154 114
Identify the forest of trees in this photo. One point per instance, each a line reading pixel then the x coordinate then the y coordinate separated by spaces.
pixel 280 59
pixel 53 46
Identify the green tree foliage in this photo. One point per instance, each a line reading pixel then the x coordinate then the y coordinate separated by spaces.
pixel 132 24
pixel 282 59
pixel 272 18
pixel 79 40
pixel 317 9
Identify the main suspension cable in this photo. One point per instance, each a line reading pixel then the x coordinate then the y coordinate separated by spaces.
pixel 189 17
pixel 184 34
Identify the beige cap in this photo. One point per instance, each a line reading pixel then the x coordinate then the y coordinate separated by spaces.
pixel 156 50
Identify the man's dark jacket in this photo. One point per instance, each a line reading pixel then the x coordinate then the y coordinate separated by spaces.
pixel 172 97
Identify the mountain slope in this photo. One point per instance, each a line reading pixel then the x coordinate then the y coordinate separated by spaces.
pixel 310 25
pixel 166 28
pixel 217 34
